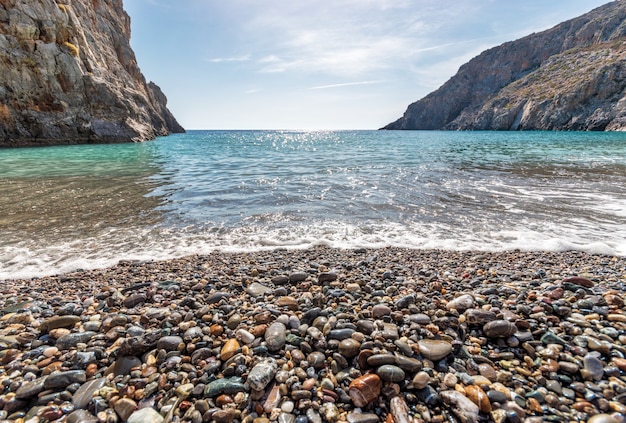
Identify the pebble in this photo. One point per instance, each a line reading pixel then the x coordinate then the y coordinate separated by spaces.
pixel 390 373
pixel 434 350
pixel 499 329
pixel 365 389
pixel 145 415
pixel 465 410
pixel 275 336
pixel 386 335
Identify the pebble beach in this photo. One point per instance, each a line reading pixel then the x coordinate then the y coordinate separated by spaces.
pixel 321 335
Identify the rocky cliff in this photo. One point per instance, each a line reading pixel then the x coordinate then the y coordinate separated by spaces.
pixel 68 75
pixel 570 77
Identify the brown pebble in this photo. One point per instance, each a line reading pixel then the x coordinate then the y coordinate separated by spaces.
pixel 365 389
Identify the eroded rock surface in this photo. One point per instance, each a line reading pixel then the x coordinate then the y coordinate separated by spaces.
pixel 570 77
pixel 70 76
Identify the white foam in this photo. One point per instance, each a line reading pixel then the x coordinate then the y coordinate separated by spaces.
pixel 30 259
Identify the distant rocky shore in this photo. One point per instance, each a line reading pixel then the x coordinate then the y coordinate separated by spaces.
pixel 570 77
pixel 322 335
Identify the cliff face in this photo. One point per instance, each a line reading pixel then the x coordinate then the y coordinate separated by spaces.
pixel 572 76
pixel 70 76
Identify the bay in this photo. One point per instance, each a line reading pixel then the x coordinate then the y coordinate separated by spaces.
pixel 69 207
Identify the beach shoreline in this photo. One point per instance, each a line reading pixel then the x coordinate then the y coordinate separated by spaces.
pixel 338 335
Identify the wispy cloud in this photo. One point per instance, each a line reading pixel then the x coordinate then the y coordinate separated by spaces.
pixel 230 59
pixel 345 38
pixel 345 84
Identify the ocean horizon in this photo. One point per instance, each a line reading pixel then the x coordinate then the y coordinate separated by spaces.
pixel 87 206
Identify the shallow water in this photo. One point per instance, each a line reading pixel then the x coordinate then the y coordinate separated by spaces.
pixel 87 206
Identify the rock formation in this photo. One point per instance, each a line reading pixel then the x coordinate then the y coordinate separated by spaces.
pixel 70 76
pixel 570 77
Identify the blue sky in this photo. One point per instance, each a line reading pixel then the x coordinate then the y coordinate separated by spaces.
pixel 319 64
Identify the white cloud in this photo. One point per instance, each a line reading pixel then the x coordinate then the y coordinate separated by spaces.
pixel 230 59
pixel 345 84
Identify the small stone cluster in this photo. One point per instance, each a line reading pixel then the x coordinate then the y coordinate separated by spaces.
pixel 323 335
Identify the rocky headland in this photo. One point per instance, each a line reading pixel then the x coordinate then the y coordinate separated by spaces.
pixel 570 77
pixel 70 76
pixel 320 336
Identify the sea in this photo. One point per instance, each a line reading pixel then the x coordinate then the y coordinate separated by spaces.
pixel 66 208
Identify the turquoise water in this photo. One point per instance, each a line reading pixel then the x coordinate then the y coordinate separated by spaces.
pixel 88 206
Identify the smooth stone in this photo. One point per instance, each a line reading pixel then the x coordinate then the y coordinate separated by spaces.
pixel 325 277
pixel 287 406
pixel 593 366
pixel 134 300
pixel 288 302
pixel 256 289
pixel 365 326
pixel 602 418
pixel 487 371
pixel 476 316
pixel 462 407
pixel 603 347
pixel 428 396
pixel 381 359
pixel 262 374
pixel 275 336
pixel 329 412
pixel 81 416
pixel 157 313
pixel 390 332
pixel 554 386
pixel 30 389
pixel 421 380
pixel 390 373
pixel 59 322
pixel 478 397
pixel 576 280
pixel 145 415
pixel 58 380
pixel 341 334
pixel 317 360
pixel 408 364
pixel 193 334
pixel 349 347
pixel 224 386
pixel 420 318
pixel 245 336
pixel 123 365
pixel 83 396
pixel 298 276
pixel 499 329
pixel 313 416
pixel 380 310
pixel 461 303
pixel 365 389
pixel 399 410
pixel 433 349
pixel 229 349
pixel 568 367
pixel 169 343
pixel 551 338
pixel 496 396
pixel 72 339
pixel 216 297
pixel 124 407
pixel 356 417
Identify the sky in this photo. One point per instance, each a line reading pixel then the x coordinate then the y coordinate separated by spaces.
pixel 319 64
